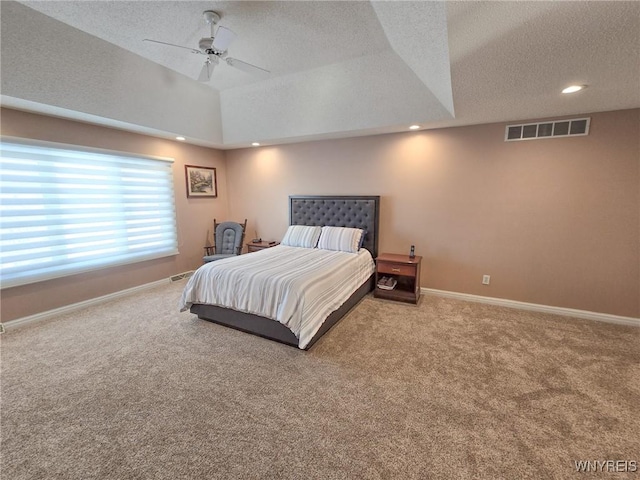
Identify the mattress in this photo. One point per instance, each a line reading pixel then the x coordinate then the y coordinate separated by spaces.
pixel 298 287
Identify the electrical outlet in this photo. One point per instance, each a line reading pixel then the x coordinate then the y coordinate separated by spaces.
pixel 486 279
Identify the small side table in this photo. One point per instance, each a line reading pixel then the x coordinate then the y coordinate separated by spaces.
pixel 405 270
pixel 254 247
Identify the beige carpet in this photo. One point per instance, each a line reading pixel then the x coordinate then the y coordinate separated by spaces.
pixel 132 389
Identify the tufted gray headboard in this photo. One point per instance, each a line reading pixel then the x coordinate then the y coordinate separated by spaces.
pixel 339 211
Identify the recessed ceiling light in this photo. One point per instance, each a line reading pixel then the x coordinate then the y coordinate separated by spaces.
pixel 414 127
pixel 573 88
pixel 182 139
pixel 255 144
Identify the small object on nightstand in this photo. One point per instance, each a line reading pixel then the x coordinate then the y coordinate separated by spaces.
pixel 412 253
pixel 256 240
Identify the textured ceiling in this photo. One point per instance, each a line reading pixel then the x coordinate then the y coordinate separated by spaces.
pixel 337 68
pixel 283 37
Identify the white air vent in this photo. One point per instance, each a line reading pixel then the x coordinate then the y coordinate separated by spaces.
pixel 556 128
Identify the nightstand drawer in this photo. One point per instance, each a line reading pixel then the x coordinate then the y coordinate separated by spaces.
pixel 397 269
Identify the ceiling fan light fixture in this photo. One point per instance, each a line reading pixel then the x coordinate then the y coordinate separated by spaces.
pixel 574 88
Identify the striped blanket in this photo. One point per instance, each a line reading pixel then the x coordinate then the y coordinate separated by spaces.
pixel 298 287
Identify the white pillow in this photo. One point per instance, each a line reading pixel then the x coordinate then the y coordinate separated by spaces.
pixel 301 236
pixel 343 239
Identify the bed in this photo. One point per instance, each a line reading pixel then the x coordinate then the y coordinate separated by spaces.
pixel 338 211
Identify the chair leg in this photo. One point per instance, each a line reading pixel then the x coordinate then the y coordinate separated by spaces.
pixel 244 229
pixel 215 227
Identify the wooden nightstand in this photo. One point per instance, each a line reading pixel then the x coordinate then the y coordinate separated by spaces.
pixel 254 247
pixel 405 270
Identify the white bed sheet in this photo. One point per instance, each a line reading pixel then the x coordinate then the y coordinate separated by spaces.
pixel 298 287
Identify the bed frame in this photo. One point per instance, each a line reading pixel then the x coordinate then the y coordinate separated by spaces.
pixel 337 211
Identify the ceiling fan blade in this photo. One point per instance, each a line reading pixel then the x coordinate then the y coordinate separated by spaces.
pixel 223 39
pixel 247 67
pixel 193 50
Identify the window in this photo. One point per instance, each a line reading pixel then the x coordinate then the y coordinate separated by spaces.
pixel 66 209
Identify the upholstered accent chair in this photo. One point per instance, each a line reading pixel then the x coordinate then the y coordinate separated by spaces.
pixel 227 240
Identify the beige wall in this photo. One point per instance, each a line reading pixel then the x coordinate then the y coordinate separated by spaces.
pixel 554 221
pixel 194 215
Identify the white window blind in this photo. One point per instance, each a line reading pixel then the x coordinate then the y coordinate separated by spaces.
pixel 65 210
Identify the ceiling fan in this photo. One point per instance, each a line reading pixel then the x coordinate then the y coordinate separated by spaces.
pixel 215 48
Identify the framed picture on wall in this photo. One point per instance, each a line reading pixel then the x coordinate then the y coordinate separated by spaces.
pixel 201 181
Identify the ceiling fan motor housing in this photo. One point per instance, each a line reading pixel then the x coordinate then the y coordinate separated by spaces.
pixel 205 44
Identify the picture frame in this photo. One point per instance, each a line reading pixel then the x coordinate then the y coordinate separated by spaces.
pixel 201 181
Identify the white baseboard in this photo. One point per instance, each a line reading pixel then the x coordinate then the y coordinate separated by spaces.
pixel 570 312
pixel 38 317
